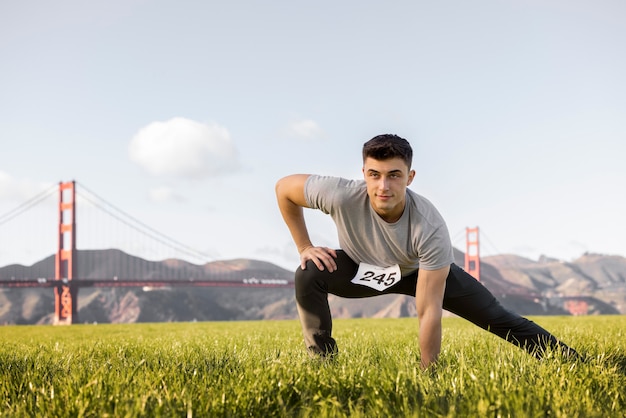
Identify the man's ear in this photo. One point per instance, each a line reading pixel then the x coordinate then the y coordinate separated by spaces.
pixel 411 177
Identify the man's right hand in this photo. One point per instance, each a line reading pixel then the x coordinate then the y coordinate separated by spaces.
pixel 322 257
pixel 291 200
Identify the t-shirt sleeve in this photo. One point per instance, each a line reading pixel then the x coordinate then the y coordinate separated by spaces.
pixel 435 251
pixel 319 192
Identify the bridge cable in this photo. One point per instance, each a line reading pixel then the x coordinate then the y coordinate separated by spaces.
pixel 147 230
pixel 6 217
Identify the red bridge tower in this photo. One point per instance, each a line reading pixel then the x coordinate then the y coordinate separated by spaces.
pixel 66 295
pixel 472 252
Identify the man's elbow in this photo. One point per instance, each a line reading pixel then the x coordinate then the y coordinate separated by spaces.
pixel 282 187
pixel 291 189
pixel 279 184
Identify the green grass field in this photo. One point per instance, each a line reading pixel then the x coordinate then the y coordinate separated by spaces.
pixel 239 369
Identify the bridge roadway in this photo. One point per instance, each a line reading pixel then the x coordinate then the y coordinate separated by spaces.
pixel 153 283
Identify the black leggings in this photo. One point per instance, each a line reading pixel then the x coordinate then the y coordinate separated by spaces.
pixel 464 296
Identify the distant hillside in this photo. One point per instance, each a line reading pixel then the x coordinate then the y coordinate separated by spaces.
pixel 31 306
pixel 593 284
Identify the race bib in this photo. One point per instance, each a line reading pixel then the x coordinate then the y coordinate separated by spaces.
pixel 379 278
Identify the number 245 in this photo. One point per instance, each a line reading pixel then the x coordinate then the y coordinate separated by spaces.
pixel 383 279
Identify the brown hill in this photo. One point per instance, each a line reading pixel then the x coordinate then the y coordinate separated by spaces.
pixel 136 304
pixel 592 284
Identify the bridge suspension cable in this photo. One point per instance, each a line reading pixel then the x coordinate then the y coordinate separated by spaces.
pixel 137 225
pixel 24 207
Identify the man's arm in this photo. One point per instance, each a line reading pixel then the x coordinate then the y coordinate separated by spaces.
pixel 431 285
pixel 291 200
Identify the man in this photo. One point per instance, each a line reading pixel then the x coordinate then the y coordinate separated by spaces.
pixel 392 241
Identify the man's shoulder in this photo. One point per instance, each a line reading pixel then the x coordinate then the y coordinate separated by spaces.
pixel 418 200
pixel 333 183
pixel 326 192
pixel 424 207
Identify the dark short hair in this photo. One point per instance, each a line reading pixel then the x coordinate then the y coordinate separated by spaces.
pixel 387 146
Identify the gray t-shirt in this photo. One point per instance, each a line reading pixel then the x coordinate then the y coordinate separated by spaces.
pixel 419 239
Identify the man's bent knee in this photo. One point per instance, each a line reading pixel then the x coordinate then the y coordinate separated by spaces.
pixel 309 281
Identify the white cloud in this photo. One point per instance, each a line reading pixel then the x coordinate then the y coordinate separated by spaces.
pixel 304 129
pixel 164 194
pixel 19 190
pixel 184 148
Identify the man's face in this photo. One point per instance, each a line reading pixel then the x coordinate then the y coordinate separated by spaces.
pixel 386 182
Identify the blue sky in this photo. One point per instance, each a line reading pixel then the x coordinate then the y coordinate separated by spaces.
pixel 184 114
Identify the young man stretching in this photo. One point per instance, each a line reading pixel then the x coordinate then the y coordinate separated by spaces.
pixel 392 241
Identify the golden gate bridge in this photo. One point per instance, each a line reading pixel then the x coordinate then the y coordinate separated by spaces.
pixel 69 268
pixel 65 271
